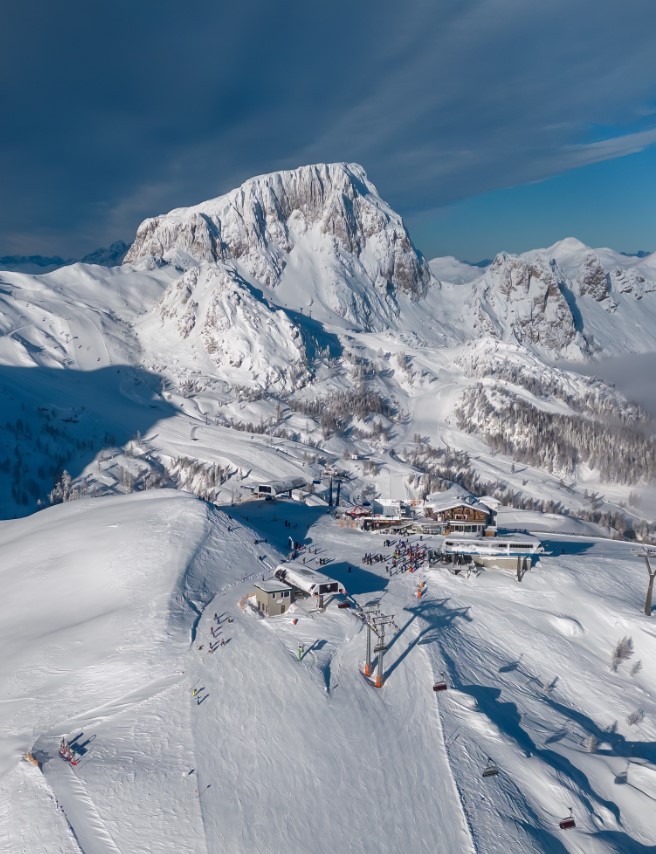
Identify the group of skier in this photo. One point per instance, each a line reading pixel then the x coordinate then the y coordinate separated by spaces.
pixel 405 557
pixel 215 630
pixel 373 558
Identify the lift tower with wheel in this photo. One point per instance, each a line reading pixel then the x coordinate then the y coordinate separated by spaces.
pixel 376 625
pixel 648 554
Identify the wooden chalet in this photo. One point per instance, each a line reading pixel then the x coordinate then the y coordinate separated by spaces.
pixel 470 518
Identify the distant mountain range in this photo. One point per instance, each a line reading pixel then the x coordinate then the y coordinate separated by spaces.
pixel 107 257
pixel 296 307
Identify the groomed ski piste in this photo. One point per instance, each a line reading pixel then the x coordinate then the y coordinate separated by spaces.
pixel 108 601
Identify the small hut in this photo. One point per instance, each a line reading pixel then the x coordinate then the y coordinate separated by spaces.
pixel 273 597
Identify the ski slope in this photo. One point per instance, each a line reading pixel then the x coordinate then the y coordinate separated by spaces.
pixel 108 601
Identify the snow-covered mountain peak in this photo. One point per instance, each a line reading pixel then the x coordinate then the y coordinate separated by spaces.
pixel 331 208
pixel 520 299
pixel 211 310
pixel 565 246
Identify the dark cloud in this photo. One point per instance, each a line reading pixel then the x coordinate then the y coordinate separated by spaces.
pixel 113 112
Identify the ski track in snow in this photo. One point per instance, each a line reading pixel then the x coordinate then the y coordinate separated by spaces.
pixel 88 341
pixel 310 686
pixel 89 829
pixel 310 748
pixel 467 819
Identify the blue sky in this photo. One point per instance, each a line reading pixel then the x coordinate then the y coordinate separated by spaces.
pixel 489 124
pixel 606 204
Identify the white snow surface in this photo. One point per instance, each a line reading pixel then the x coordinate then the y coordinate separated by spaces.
pixel 107 601
pixel 190 366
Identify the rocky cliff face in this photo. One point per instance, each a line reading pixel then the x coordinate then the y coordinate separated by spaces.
pixel 592 279
pixel 244 337
pixel 112 256
pixel 521 300
pixel 565 301
pixel 259 225
pixel 262 264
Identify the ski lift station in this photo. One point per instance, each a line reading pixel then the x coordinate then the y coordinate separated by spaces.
pixel 513 551
pixel 274 488
pixel 308 581
pixel 273 597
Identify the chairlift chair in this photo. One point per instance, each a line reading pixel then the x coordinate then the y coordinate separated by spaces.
pixel 568 822
pixel 67 753
pixel 440 685
pixel 490 769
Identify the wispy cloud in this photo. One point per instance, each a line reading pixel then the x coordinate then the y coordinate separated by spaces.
pixel 116 117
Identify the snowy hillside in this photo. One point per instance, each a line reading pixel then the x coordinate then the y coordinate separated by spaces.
pixel 450 269
pixel 110 610
pixel 290 329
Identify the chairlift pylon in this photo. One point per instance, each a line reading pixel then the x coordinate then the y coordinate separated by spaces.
pixel 567 822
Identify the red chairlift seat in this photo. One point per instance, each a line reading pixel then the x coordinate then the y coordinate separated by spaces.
pixel 68 754
pixel 568 822
pixel 440 686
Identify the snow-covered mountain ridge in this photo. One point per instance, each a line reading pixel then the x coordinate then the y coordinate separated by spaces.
pixel 566 301
pixel 333 210
pixel 107 257
pixel 280 312
pixel 320 239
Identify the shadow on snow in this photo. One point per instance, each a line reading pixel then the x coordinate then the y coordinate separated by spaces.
pixel 55 419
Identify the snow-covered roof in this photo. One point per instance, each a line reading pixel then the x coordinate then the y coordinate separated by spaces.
pixel 272 585
pixel 517 536
pixel 275 487
pixel 449 502
pixel 359 511
pixel 490 501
